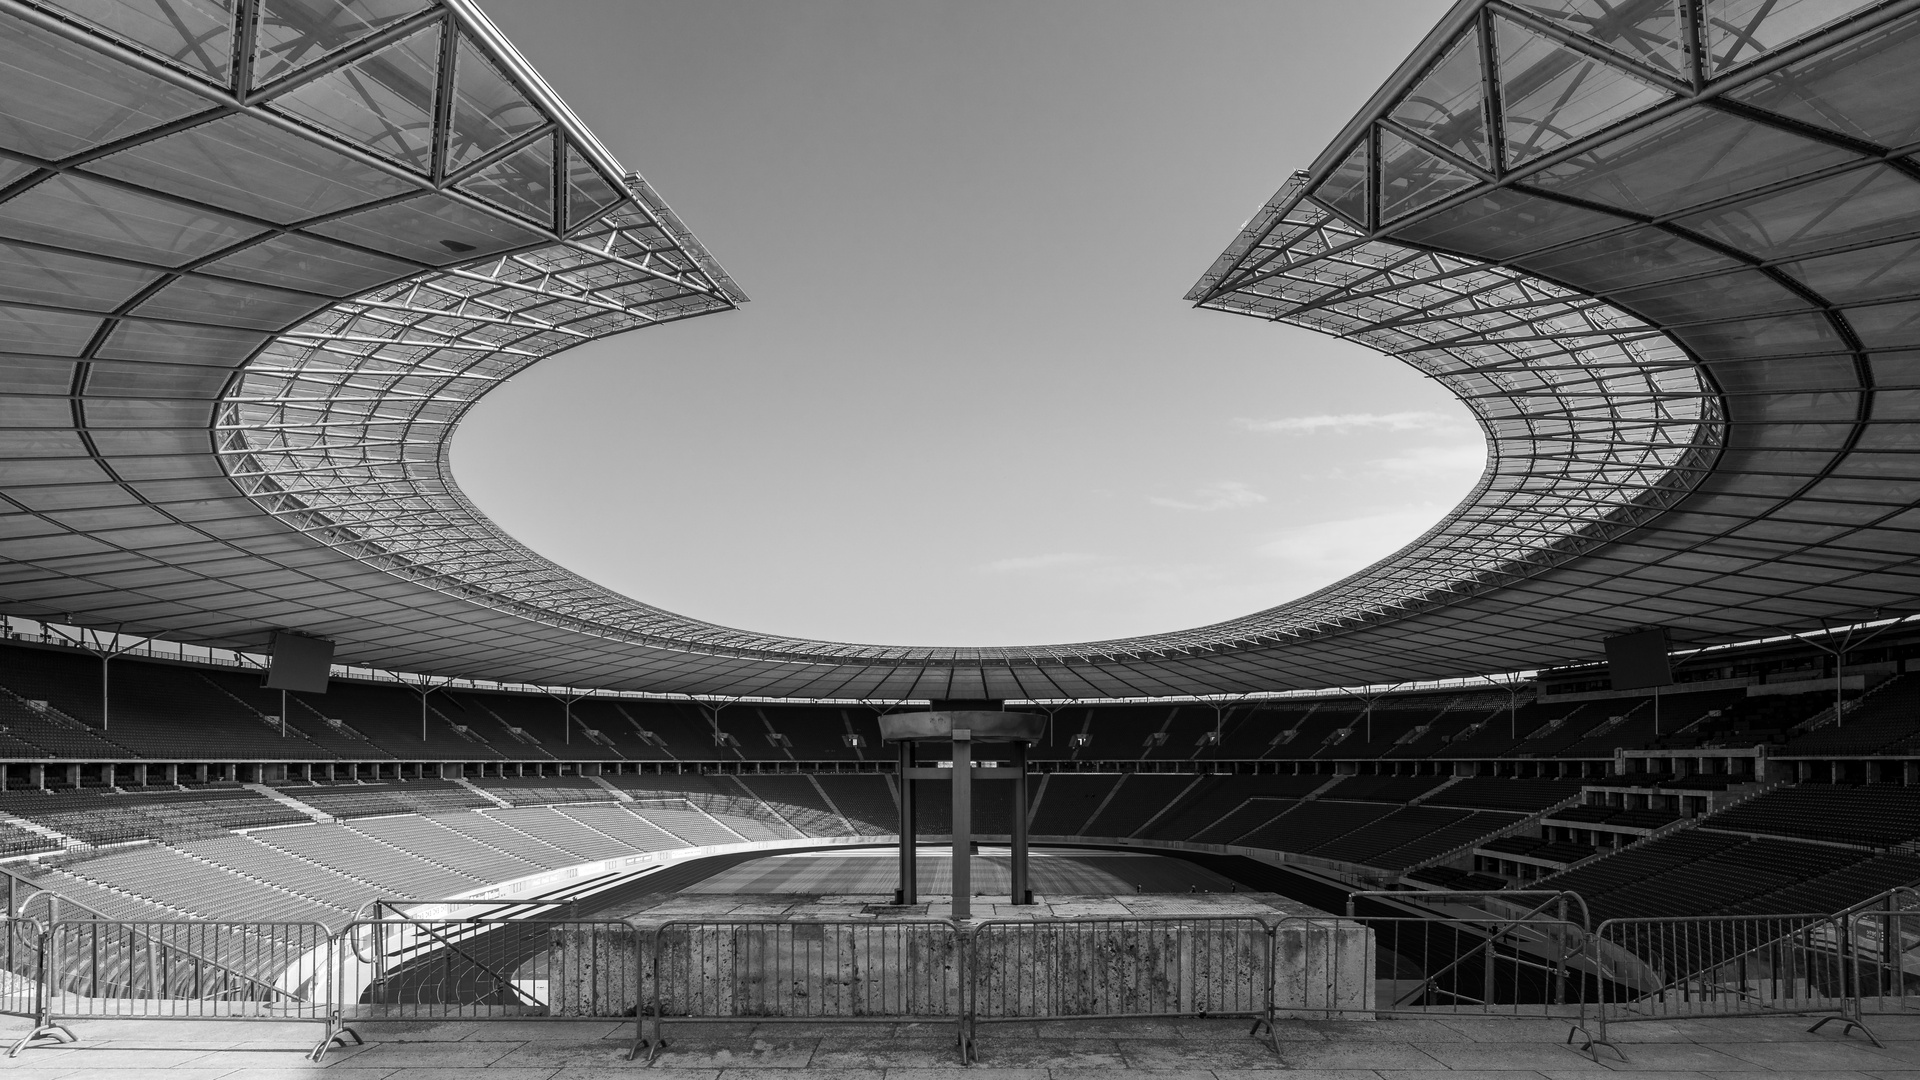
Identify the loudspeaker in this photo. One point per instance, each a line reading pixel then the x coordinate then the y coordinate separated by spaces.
pixel 1638 660
pixel 299 663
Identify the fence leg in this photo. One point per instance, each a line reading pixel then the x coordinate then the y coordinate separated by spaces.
pixel 1852 1011
pixel 337 1034
pixel 1595 1036
pixel 1850 1022
pixel 45 1028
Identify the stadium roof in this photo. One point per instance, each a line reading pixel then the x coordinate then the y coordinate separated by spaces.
pixel 259 262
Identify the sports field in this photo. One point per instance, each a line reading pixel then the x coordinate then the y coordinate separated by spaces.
pixel 1060 871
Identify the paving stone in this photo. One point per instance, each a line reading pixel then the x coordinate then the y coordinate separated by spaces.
pixel 1498 1056
pixel 1822 1056
pixel 923 1052
pixel 440 1055
pixel 1401 1030
pixel 1244 1053
pixel 1002 1053
pixel 85 1058
pixel 749 1053
pixel 1439 1048
pixel 1336 1054
pixel 309 1071
pixel 1295 1074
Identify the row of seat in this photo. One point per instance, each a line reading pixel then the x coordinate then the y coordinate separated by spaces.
pixel 181 712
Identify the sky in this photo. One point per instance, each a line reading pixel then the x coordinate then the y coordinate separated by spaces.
pixel 966 404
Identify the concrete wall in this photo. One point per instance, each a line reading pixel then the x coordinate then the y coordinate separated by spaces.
pixel 1038 968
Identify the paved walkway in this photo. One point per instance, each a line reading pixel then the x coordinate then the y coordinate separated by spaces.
pixel 1426 1049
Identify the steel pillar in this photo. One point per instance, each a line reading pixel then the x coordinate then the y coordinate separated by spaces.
pixel 909 890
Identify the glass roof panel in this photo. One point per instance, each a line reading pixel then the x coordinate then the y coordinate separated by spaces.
pixel 1747 339
pixel 62 98
pixel 1694 158
pixel 1872 273
pixel 196 34
pixel 1448 105
pixel 1501 224
pixel 430 229
pixel 34 276
pixel 1650 31
pixel 124 377
pixel 1744 292
pixel 1619 260
pixel 1551 95
pixel 1884 326
pixel 294 33
pixel 48 333
pixel 1852 208
pixel 1741 31
pixel 1864 88
pixel 250 166
pixel 71 211
pixel 229 303
pixel 1411 178
pixel 1344 191
pixel 488 110
pixel 521 182
pixel 302 262
pixel 136 339
pixel 382 102
pixel 588 192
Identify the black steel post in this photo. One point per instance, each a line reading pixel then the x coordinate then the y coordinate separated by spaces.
pixel 1021 893
pixel 962 823
pixel 909 890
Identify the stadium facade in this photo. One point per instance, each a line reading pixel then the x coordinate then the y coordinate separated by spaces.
pixel 261 260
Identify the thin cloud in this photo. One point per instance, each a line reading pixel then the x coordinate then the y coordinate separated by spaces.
pixel 1225 495
pixel 1344 545
pixel 1344 422
pixel 1464 459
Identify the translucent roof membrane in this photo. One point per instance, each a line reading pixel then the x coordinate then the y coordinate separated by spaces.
pixel 1668 262
pixel 1674 310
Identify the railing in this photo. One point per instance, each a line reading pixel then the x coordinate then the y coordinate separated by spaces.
pixel 173 970
pixel 1526 965
pixel 1731 965
pixel 1564 902
pixel 1501 963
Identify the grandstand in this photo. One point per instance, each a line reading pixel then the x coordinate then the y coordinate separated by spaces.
pixel 1693 368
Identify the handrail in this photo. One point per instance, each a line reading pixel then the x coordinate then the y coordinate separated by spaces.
pixel 1586 915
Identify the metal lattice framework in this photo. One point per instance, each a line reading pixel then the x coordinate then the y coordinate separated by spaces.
pixel 1595 420
pixel 260 256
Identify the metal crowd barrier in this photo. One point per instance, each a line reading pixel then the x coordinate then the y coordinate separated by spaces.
pixel 1886 953
pixel 1495 965
pixel 1839 968
pixel 1114 968
pixel 177 970
pixel 26 986
pixel 478 969
pixel 1730 965
pixel 765 970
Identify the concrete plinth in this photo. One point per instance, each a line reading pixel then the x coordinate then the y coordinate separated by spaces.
pixel 855 956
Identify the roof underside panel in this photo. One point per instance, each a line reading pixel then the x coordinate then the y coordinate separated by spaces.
pixel 258 259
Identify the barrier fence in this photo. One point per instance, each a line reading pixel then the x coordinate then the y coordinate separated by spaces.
pixel 846 971
pixel 1112 968
pixel 1525 965
pixel 1834 967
